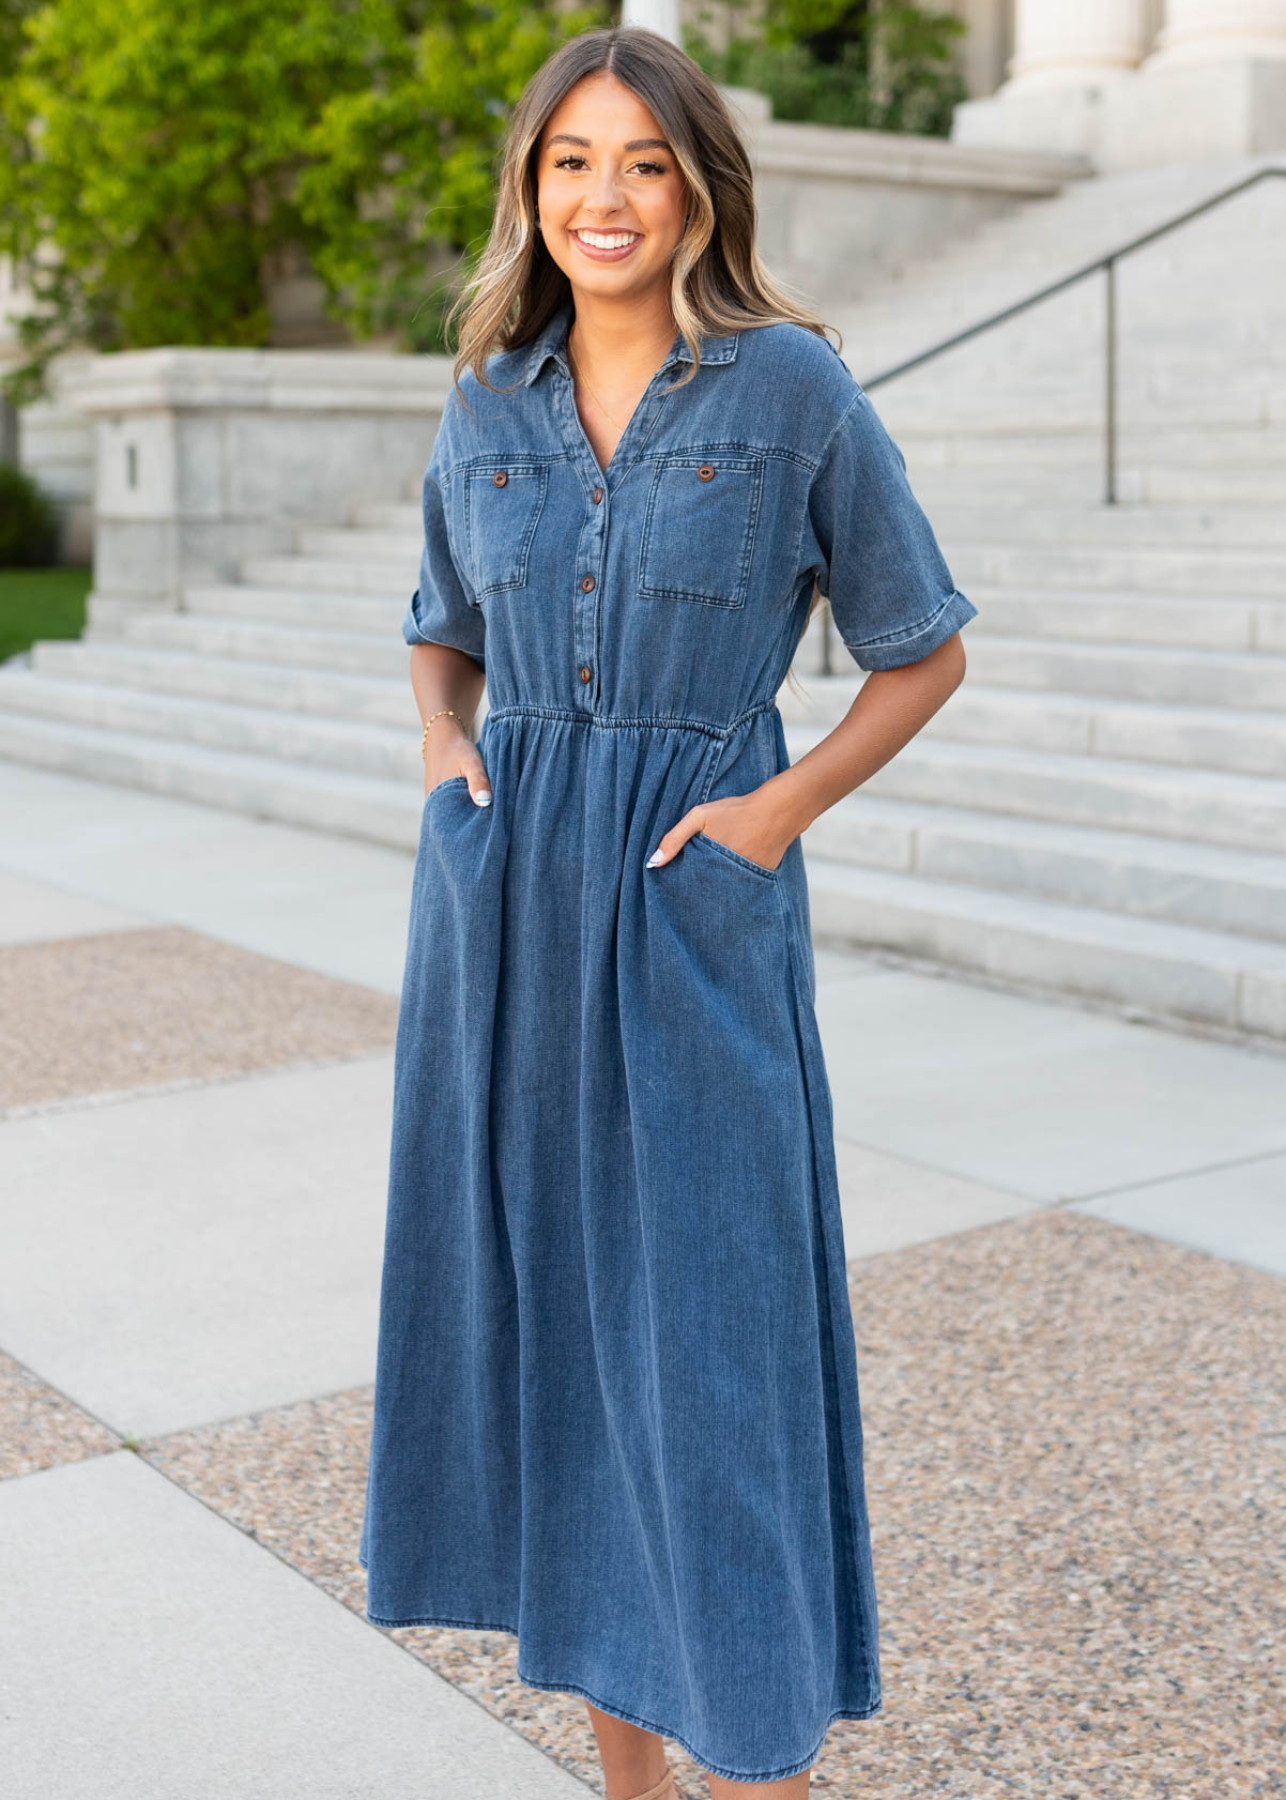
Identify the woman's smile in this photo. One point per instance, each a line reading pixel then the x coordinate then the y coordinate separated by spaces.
pixel 605 246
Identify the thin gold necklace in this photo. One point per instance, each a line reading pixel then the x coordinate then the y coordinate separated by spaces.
pixel 579 371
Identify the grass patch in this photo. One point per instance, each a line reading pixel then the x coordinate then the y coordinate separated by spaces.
pixel 41 603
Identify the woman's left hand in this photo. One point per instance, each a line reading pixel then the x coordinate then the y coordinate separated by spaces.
pixel 752 824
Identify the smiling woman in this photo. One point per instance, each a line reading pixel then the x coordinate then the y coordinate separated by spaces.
pixel 616 1407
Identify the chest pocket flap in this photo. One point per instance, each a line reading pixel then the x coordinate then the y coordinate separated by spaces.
pixel 503 501
pixel 699 527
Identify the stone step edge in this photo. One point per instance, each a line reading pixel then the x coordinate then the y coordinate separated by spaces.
pixel 1176 973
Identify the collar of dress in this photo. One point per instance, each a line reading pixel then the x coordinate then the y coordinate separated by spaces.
pixel 721 348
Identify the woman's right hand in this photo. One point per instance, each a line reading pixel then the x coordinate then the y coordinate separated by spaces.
pixel 448 750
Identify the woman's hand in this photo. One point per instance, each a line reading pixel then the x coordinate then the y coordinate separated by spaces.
pixel 759 825
pixel 890 707
pixel 448 751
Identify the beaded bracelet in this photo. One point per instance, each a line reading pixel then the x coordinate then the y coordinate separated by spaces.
pixel 424 737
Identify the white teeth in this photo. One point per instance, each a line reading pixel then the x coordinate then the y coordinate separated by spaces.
pixel 607 240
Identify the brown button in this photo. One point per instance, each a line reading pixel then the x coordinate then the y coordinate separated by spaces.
pixel 587 582
pixel 598 495
pixel 500 477
pixel 705 472
pixel 586 673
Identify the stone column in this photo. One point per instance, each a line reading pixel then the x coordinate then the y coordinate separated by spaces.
pixel 1215 87
pixel 1067 54
pixel 1062 43
pixel 657 15
pixel 1206 31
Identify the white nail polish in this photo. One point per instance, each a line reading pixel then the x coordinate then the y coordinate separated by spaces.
pixel 656 857
pixel 482 797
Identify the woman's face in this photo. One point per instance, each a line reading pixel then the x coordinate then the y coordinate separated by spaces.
pixel 610 193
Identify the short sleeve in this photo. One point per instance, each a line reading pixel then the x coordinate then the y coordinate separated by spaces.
pixel 873 551
pixel 440 610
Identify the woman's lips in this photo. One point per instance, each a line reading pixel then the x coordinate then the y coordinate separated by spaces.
pixel 597 254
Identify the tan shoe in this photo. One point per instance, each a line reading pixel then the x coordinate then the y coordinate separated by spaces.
pixel 655 1793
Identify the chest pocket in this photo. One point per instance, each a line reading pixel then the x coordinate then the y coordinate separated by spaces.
pixel 700 525
pixel 503 501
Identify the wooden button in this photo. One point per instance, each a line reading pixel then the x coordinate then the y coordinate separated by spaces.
pixel 500 477
pixel 587 582
pixel 586 673
pixel 598 495
pixel 705 472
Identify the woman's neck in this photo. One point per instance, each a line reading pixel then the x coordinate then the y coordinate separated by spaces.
pixel 620 341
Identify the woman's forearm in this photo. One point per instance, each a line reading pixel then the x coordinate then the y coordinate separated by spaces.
pixel 441 676
pixel 892 705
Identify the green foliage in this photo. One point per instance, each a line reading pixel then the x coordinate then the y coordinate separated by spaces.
pixel 877 64
pixel 42 603
pixel 398 188
pixel 159 163
pixel 28 522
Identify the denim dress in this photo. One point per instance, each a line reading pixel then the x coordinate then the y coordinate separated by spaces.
pixel 616 1398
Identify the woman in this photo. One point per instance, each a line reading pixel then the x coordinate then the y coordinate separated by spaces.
pixel 616 1407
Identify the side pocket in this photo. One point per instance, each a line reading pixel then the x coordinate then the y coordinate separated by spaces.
pixel 734 856
pixel 448 782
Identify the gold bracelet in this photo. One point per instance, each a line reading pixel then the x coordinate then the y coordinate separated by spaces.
pixel 424 736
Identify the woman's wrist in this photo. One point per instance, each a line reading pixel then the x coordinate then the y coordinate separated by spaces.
pixel 792 800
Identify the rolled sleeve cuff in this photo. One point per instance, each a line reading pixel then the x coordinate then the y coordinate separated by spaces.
pixel 911 643
pixel 414 631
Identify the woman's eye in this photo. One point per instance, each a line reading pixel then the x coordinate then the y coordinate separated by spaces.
pixel 566 162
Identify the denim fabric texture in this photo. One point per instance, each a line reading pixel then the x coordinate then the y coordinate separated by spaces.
pixel 616 1400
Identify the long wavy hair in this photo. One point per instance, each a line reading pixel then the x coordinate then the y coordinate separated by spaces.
pixel 718 281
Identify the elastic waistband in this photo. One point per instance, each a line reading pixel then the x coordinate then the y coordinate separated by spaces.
pixel 621 722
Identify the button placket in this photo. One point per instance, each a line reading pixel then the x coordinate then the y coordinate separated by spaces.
pixel 591 547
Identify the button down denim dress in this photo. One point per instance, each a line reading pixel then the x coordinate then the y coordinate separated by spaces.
pixel 616 1400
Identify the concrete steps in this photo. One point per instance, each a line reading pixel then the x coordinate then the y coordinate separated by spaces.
pixel 1215 738
pixel 1195 805
pixel 1233 892
pixel 283 734
pixel 310 647
pixel 1166 973
pixel 320 798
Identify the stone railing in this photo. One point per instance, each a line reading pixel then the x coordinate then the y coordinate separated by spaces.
pixel 203 457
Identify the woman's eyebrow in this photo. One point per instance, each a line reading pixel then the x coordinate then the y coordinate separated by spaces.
pixel 567 137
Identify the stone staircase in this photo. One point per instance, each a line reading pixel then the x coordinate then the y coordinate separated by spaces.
pixel 1099 811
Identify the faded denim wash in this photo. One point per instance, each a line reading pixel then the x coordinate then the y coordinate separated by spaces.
pixel 616 1404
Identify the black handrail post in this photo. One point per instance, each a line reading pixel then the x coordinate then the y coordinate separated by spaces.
pixel 826 638
pixel 1109 418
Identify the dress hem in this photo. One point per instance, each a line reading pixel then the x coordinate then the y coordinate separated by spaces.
pixel 632 1718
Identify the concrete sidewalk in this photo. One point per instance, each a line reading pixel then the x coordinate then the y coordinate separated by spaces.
pixel 1067 1238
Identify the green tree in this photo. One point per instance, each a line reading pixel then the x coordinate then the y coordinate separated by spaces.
pixel 880 64
pixel 158 162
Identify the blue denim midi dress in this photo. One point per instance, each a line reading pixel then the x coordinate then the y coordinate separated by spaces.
pixel 616 1403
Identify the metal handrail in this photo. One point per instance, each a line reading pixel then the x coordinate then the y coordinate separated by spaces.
pixel 1107 264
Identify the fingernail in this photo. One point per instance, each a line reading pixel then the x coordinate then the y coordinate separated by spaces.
pixel 482 797
pixel 657 856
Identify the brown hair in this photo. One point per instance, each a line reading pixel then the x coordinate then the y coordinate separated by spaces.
pixel 718 282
